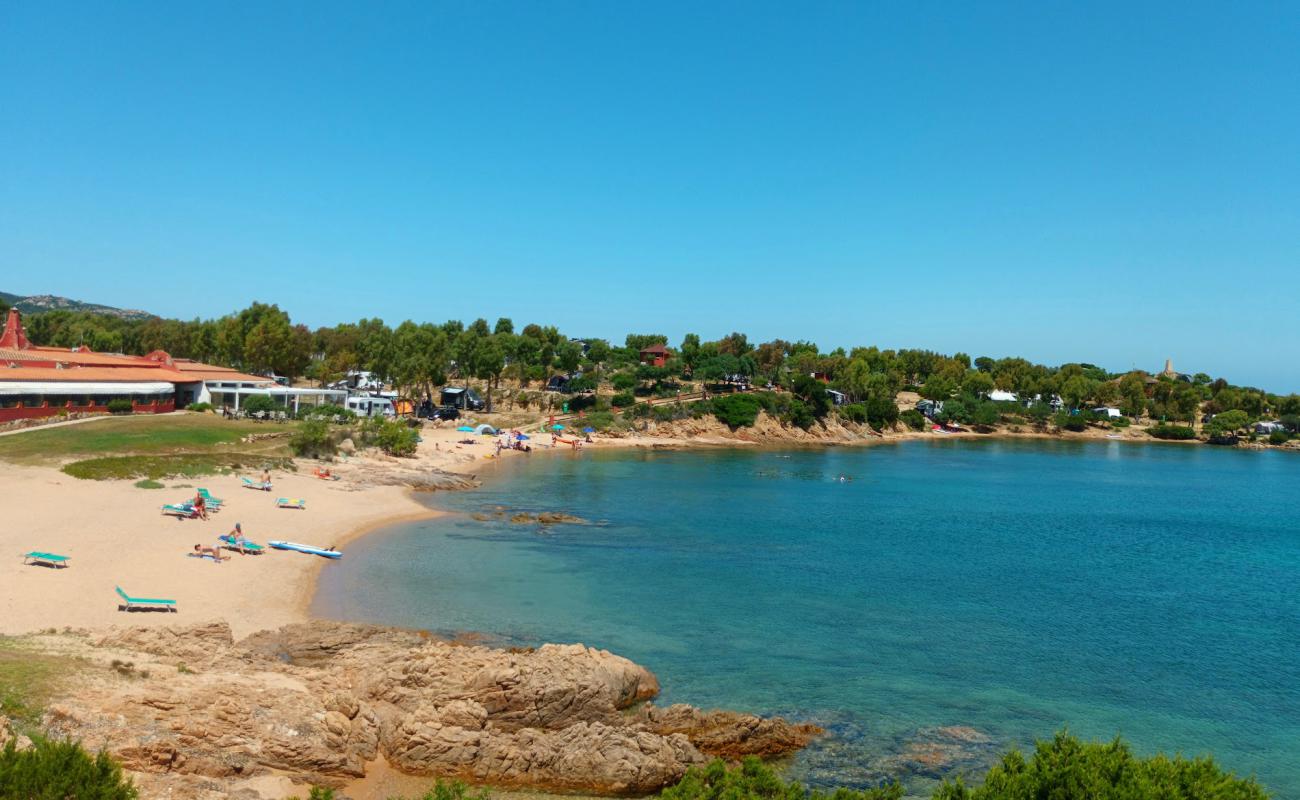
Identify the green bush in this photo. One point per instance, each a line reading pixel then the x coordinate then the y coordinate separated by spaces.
pixel 1070 422
pixel 327 411
pixel 1279 437
pixel 199 407
pixel 622 399
pixel 1120 422
pixel 1177 432
pixel 799 414
pixel 119 405
pixel 58 770
pixel 913 419
pixel 623 381
pixel 736 410
pixel 313 439
pixel 853 412
pixel 396 438
pixel 259 402
pixel 882 412
pixel 1068 769
pixel 754 780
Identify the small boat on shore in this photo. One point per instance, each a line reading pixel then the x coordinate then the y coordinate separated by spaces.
pixel 305 548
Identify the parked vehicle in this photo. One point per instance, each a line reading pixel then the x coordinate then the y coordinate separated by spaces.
pixel 365 405
pixel 462 398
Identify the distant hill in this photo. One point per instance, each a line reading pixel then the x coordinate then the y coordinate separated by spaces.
pixel 37 303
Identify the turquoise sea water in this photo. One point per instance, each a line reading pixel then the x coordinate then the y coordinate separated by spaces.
pixel 1014 587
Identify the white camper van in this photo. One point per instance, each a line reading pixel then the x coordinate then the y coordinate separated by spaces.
pixel 364 405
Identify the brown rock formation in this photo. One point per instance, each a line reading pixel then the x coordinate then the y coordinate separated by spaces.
pixel 317 702
pixel 727 734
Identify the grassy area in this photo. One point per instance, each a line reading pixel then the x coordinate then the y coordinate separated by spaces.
pixel 182 465
pixel 150 447
pixel 136 435
pixel 27 681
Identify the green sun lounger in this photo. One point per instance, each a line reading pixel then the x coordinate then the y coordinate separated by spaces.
pixel 212 501
pixel 46 558
pixel 249 483
pixel 143 602
pixel 182 510
pixel 230 545
pixel 284 502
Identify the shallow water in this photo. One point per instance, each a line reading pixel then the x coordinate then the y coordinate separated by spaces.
pixel 1014 587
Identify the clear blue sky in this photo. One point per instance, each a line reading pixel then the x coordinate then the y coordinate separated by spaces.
pixel 1113 182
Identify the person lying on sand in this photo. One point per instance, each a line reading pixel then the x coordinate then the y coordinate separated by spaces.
pixel 202 551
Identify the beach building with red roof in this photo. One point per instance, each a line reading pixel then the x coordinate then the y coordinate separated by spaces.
pixel 44 381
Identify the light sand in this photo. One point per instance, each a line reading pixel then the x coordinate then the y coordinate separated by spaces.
pixel 117 536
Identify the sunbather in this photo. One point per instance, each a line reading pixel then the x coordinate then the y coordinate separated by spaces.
pixel 200 506
pixel 266 480
pixel 237 540
pixel 202 551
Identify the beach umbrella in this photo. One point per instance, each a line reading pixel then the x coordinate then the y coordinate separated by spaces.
pixel 465 428
pixel 557 427
pixel 523 437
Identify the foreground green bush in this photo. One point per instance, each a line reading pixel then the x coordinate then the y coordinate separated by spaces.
pixel 736 410
pixel 327 412
pixel 199 407
pixel 754 779
pixel 1068 769
pixel 61 771
pixel 119 405
pixel 1279 437
pixel 913 419
pixel 1176 432
pixel 313 439
pixel 396 438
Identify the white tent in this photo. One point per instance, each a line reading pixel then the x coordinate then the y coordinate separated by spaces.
pixel 83 387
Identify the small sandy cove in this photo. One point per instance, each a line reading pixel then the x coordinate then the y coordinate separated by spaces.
pixel 116 535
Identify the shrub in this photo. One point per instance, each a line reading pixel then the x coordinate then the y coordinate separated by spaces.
pixel 259 402
pixel 199 407
pixel 1279 437
pixel 581 402
pixel 854 412
pixel 622 399
pixel 313 439
pixel 1070 422
pixel 799 414
pixel 914 419
pixel 1177 432
pixel 881 412
pixel 623 381
pixel 668 412
pixel 736 410
pixel 521 400
pixel 754 780
pixel 119 405
pixel 600 420
pixel 327 411
pixel 1120 422
pixel 55 770
pixel 396 438
pixel 1068 769
pixel 584 384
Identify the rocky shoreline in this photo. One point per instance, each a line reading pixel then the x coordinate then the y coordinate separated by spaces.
pixel 195 714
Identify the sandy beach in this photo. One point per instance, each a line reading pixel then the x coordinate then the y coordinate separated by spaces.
pixel 116 535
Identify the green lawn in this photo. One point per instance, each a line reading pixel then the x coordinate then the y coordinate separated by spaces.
pixel 149 446
pixel 134 435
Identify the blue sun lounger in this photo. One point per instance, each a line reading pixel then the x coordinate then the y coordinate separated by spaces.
pixel 143 602
pixel 46 558
pixel 261 486
pixel 284 502
pixel 179 510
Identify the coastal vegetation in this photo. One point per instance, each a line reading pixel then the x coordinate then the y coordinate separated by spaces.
pixel 59 770
pixel 611 385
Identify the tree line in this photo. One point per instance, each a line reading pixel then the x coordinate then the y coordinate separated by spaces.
pixel 417 357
